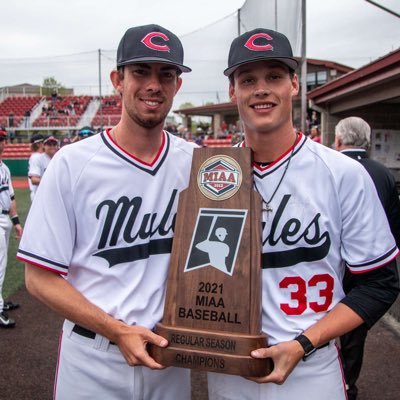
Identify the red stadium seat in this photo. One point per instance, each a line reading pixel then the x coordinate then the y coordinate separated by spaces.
pixel 111 112
pixel 217 142
pixel 17 150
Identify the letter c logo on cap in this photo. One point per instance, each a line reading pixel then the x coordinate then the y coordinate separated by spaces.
pixel 255 47
pixel 148 41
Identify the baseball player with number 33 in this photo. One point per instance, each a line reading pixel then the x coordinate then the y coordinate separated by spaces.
pixel 321 214
pixel 103 217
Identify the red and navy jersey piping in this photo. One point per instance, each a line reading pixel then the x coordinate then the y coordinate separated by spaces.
pixel 146 167
pixel 262 172
pixel 34 259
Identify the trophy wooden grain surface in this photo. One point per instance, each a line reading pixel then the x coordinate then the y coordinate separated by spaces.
pixel 212 315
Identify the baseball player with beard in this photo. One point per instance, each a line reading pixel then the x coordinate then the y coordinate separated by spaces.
pixel 106 210
pixel 321 215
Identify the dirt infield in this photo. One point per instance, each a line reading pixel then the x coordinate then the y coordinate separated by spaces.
pixel 20 182
pixel 29 356
pixel 29 353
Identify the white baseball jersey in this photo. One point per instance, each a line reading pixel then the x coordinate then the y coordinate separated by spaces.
pixel 6 188
pixel 33 169
pixel 39 164
pixel 106 220
pixel 325 214
pixel 6 193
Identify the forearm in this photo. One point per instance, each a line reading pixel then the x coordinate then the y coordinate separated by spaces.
pixel 373 293
pixel 35 180
pixel 57 293
pixel 13 208
pixel 341 319
pixel 371 296
pixel 15 219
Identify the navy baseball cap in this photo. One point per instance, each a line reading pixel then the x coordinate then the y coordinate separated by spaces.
pixel 150 43
pixel 258 45
pixel 37 138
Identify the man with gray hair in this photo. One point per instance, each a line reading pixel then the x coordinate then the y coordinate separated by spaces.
pixel 353 133
pixel 353 138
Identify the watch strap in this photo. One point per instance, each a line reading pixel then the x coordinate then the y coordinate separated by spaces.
pixel 306 344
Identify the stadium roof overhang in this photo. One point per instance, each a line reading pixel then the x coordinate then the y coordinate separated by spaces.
pixel 209 110
pixel 230 109
pixel 376 82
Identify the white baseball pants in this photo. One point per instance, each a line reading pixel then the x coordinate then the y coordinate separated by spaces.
pixel 320 377
pixel 95 369
pixel 5 230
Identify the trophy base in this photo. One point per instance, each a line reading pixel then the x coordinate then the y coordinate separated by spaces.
pixel 227 353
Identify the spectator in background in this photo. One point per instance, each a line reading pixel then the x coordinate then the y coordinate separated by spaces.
pixel 353 138
pixel 83 133
pixel 11 127
pixel 180 131
pixel 224 127
pixel 8 217
pixel 315 120
pixel 11 120
pixel 54 95
pixel 315 134
pixel 27 119
pixel 65 141
pixel 36 171
pixel 37 150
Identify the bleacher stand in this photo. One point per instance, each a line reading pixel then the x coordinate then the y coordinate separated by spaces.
pixel 63 111
pixel 111 112
pixel 18 107
pixel 217 142
pixel 16 151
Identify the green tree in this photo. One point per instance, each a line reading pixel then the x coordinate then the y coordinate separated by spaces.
pixel 50 85
pixel 188 104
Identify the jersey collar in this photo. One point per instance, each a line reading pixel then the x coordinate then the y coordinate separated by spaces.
pixel 357 154
pixel 263 171
pixel 151 168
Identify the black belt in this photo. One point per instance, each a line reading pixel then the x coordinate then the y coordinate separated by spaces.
pixel 80 330
pixel 5 212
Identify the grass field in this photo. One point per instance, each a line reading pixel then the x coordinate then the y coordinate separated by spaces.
pixel 15 269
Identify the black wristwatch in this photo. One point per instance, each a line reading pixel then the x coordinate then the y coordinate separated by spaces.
pixel 307 346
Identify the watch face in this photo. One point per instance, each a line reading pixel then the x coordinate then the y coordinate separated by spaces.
pixel 308 353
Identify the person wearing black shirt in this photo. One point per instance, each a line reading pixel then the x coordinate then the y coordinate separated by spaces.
pixel 353 138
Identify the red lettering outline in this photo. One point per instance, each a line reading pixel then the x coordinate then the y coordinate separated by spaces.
pixel 147 41
pixel 255 47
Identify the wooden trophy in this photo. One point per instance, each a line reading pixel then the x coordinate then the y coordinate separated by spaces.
pixel 212 315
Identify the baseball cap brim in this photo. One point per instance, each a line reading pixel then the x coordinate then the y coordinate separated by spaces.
pixel 292 63
pixel 137 60
pixel 50 141
pixel 37 139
